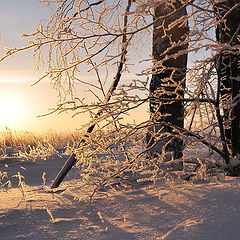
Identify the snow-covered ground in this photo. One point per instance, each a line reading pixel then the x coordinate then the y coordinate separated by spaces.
pixel 203 211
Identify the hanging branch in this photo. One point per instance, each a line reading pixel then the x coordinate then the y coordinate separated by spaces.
pixel 72 159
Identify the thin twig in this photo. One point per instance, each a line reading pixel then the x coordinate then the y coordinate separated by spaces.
pixel 72 159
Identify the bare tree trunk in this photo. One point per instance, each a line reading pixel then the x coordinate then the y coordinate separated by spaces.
pixel 168 78
pixel 228 67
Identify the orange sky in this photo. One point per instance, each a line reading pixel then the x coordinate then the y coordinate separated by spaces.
pixel 20 104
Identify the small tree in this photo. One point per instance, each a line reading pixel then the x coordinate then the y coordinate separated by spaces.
pixel 102 38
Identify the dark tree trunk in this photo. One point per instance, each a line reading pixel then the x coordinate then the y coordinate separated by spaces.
pixel 168 78
pixel 228 68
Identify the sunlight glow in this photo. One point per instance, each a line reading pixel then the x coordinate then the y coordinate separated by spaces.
pixel 9 111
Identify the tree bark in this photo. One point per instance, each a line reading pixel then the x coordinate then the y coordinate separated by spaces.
pixel 169 53
pixel 227 33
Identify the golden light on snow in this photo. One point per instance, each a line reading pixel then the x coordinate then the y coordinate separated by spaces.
pixel 10 112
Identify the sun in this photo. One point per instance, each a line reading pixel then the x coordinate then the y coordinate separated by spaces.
pixel 9 112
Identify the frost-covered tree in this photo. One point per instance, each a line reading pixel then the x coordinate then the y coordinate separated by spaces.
pixel 227 14
pixel 170 44
pixel 99 55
